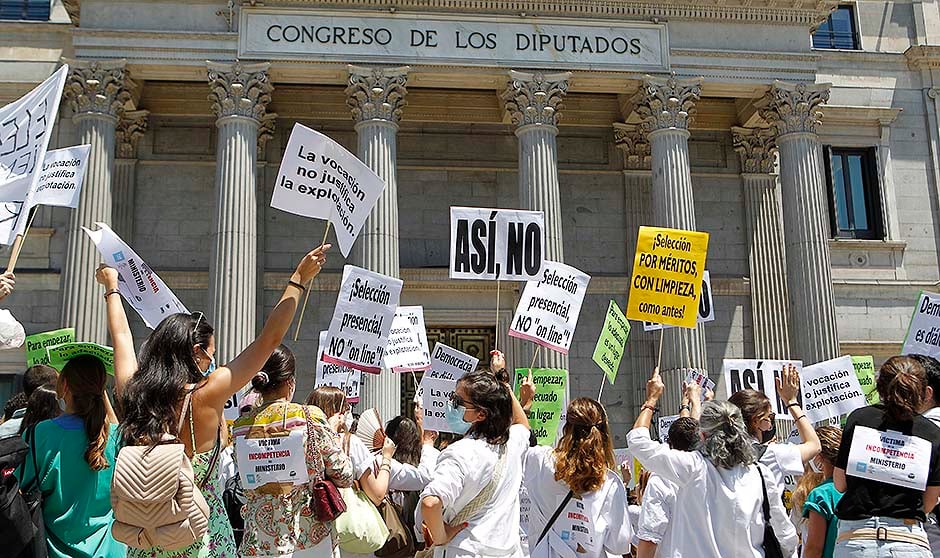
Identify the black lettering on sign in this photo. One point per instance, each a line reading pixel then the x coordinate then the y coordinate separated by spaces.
pixel 515 249
pixel 477 234
pixel 533 249
pixel 704 305
pixel 462 250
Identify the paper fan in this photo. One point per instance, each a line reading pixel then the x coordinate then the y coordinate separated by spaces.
pixel 370 430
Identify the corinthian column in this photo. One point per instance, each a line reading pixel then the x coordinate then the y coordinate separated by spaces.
pixel 239 94
pixel 534 103
pixel 666 107
pixel 792 110
pixel 97 93
pixel 376 97
pixel 130 128
pixel 766 258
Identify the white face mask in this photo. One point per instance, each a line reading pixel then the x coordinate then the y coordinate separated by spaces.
pixel 814 466
pixel 348 420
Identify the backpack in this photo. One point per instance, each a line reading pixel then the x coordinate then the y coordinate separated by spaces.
pixel 156 500
pixel 22 528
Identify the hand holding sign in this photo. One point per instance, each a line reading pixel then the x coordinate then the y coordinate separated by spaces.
pixel 7 283
pixel 527 391
pixel 311 265
pixel 654 387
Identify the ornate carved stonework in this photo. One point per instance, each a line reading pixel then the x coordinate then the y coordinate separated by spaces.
pixel 98 86
pixel 793 107
pixel 266 132
pixel 239 89
pixel 377 93
pixel 73 8
pixel 535 98
pixel 665 103
pixel 757 148
pixel 129 130
pixel 635 145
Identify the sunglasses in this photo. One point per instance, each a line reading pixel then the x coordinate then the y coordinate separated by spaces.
pixel 458 401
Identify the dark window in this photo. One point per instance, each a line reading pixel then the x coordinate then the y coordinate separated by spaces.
pixel 854 200
pixel 838 32
pixel 33 10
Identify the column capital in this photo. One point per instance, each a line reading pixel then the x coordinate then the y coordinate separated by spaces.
pixel 266 131
pixel 131 127
pixel 535 98
pixel 98 87
pixel 237 89
pixel 375 93
pixel 665 103
pixel 794 107
pixel 757 148
pixel 634 143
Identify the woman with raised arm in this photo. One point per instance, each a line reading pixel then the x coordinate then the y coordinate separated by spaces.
pixel 178 359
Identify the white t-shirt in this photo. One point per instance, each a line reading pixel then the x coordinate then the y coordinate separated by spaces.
pixel 782 460
pixel 589 527
pixel 463 471
pixel 659 501
pixel 360 457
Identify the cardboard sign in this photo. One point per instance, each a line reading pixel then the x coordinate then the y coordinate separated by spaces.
pixel 37 344
pixel 759 375
pixel 278 459
pixel 923 333
pixel 138 284
pixel 663 424
pixel 575 527
pixel 232 409
pixel 549 403
pixel 611 343
pixel 319 178
pixel 362 319
pixel 831 389
pixel 706 307
pixel 447 366
pixel 59 355
pixel 889 457
pixel 492 244
pixel 349 380
pixel 865 371
pixel 407 348
pixel 548 309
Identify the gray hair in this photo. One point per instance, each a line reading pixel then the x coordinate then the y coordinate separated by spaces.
pixel 727 443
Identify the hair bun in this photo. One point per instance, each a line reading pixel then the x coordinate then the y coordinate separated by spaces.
pixel 261 380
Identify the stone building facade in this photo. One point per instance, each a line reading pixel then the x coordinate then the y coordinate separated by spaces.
pixel 803 135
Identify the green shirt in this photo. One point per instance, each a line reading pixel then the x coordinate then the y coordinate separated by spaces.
pixel 76 500
pixel 823 500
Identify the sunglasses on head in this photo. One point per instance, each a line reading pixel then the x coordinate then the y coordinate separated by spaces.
pixel 198 320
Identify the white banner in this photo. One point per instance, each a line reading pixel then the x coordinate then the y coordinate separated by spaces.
pixel 139 285
pixel 407 349
pixel 346 379
pixel 923 334
pixel 60 182
pixel 663 424
pixel 448 363
pixel 362 320
pixel 491 244
pixel 318 178
pixel 10 221
pixel 706 306
pixel 758 375
pixel 549 307
pixel 889 457
pixel 831 389
pixel 447 366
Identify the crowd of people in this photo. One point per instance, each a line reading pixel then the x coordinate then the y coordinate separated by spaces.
pixel 156 474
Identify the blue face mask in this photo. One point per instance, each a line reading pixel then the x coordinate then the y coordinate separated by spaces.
pixel 62 404
pixel 211 367
pixel 454 416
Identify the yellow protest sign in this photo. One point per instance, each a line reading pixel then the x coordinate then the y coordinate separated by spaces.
pixel 667 276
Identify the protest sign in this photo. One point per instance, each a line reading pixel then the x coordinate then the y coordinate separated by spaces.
pixel 492 244
pixel 865 371
pixel 138 284
pixel 758 375
pixel 889 457
pixel 278 459
pixel 407 348
pixel 613 339
pixel 362 319
pixel 831 389
pixel 549 307
pixel 667 276
pixel 447 366
pixel 349 380
pixel 706 307
pixel 663 424
pixel 37 344
pixel 923 333
pixel 10 221
pixel 319 178
pixel 60 182
pixel 61 354
pixel 549 402
pixel 701 378
pixel 448 363
pixel 233 406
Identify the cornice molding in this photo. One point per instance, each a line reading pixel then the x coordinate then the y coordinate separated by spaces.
pixel 923 57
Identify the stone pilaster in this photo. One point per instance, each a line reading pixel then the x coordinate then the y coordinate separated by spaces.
pixel 792 111
pixel 97 93
pixel 239 94
pixel 130 129
pixel 376 97
pixel 766 259
pixel 534 102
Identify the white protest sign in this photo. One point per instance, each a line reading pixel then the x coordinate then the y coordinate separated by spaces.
pixel 447 363
pixel 889 457
pixel 232 409
pixel 506 244
pixel 575 527
pixel 701 378
pixel 759 375
pixel 923 333
pixel 706 306
pixel 60 182
pixel 549 307
pixel 319 178
pixel 349 380
pixel 10 221
pixel 831 389
pixel 138 284
pixel 279 459
pixel 663 424
pixel 447 366
pixel 362 320
pixel 407 348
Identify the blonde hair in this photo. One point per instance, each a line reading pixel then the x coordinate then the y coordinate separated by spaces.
pixel 830 437
pixel 585 451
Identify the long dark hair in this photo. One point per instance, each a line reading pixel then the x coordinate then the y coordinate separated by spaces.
pixel 902 386
pixel 42 406
pixel 166 365
pixel 84 375
pixel 404 432
pixel 491 396
pixel 752 404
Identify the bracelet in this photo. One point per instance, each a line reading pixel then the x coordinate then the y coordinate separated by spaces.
pixel 111 292
pixel 298 285
pixel 800 417
pixel 794 404
pixel 686 408
pixel 650 407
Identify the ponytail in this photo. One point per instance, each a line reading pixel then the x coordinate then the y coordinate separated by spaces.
pixel 84 375
pixel 585 451
pixel 902 386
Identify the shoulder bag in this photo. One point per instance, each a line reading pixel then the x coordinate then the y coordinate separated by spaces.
pixel 771 544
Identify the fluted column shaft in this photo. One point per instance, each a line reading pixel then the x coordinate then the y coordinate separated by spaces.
pixel 130 129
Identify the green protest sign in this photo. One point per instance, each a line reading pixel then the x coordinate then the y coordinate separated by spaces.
pixel 549 402
pixel 37 344
pixel 865 370
pixel 61 354
pixel 611 342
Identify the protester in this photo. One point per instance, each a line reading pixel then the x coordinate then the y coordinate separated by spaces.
pixel 412 464
pixel 15 406
pixel 816 497
pixel 43 405
pixel 35 376
pixel 878 518
pixel 471 506
pixel 7 284
pixel 332 401
pixel 718 511
pixel 931 411
pixel 278 520
pixel 74 460
pixel 578 502
pixel 178 359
